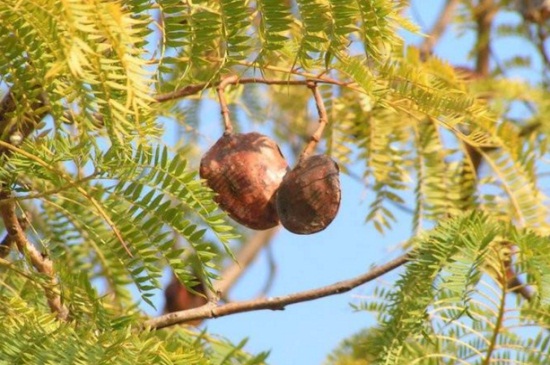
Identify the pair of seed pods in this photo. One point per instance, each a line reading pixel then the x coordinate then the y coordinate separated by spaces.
pixel 255 186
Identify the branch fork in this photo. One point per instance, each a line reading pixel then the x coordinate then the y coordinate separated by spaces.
pixel 311 84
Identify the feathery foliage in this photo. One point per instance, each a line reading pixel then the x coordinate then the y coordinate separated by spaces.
pixel 114 205
pixel 453 302
pixel 32 336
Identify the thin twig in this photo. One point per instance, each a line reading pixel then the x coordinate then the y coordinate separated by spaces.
pixel 223 102
pixel 40 263
pixel 514 284
pixel 541 41
pixel 234 80
pixel 80 189
pixel 244 258
pixel 212 310
pixel 484 14
pixel 316 137
pixel 54 191
pixel 195 89
pixel 426 48
pixel 272 266
pixel 510 279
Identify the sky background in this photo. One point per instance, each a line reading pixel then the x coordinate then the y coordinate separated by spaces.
pixel 306 333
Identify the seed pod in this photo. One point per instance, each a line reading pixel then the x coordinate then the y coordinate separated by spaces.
pixel 245 171
pixel 309 196
pixel 179 298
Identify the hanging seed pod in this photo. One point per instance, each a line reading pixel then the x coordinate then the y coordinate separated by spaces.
pixel 309 196
pixel 245 171
pixel 178 298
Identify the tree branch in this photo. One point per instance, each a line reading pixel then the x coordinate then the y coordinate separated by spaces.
pixel 212 310
pixel 8 241
pixel 484 14
pixel 195 89
pixel 272 266
pixel 426 48
pixel 41 264
pixel 244 258
pixel 540 42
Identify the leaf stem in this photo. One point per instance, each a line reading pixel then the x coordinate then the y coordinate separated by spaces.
pixel 500 317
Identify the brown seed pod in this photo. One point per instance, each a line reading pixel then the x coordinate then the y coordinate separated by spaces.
pixel 179 298
pixel 245 170
pixel 309 196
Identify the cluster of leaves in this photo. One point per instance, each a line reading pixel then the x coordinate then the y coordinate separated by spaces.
pixel 453 303
pixel 98 334
pixel 107 198
pixel 469 313
pixel 416 119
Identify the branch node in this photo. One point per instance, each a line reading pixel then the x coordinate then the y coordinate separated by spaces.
pixel 213 307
